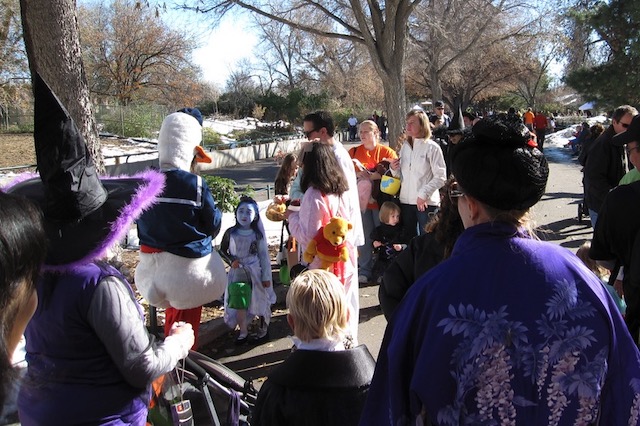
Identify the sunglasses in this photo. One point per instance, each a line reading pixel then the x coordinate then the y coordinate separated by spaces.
pixel 307 134
pixel 625 125
pixel 454 193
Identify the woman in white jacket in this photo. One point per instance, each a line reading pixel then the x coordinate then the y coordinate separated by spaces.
pixel 423 171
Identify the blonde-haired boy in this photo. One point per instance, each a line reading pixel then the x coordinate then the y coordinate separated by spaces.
pixel 321 382
pixel 317 307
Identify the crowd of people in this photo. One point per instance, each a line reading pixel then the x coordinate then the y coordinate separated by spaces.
pixel 486 323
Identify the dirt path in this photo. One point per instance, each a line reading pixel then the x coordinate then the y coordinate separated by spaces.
pixel 16 150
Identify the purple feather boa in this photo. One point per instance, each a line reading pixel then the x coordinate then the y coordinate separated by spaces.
pixel 144 197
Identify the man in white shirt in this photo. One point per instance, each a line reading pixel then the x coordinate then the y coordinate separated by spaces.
pixel 353 127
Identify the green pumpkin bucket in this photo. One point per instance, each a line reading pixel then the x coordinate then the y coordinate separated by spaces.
pixel 239 296
pixel 285 278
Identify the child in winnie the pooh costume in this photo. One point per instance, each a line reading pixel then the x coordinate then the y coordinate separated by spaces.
pixel 178 269
pixel 325 196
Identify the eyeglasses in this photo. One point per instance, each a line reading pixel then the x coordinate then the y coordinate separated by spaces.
pixel 625 125
pixel 454 193
pixel 307 134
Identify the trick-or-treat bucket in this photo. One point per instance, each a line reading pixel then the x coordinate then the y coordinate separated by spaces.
pixel 240 291
pixel 389 184
pixel 284 274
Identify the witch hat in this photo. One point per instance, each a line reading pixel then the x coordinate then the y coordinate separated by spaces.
pixel 84 214
pixel 457 123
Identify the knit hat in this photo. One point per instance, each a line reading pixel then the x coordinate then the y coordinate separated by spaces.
pixel 84 215
pixel 499 164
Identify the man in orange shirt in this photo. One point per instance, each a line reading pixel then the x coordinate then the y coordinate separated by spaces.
pixel 540 123
pixel 528 118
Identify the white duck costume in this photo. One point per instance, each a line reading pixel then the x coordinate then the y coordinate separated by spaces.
pixel 178 267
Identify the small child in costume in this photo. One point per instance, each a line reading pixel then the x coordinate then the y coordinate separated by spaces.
pixel 387 239
pixel 246 246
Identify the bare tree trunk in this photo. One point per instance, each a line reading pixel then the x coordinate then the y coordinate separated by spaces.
pixel 53 49
pixel 436 87
pixel 395 103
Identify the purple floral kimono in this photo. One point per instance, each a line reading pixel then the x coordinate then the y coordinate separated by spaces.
pixel 509 330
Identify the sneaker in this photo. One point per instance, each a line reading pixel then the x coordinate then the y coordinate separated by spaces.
pixel 363 279
pixel 262 335
pixel 242 339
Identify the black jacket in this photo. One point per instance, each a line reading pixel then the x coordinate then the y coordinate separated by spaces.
pixel 603 170
pixel 422 254
pixel 617 236
pixel 316 388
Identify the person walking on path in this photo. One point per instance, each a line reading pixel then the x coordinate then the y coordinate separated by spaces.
pixel 353 127
pixel 540 122
pixel 529 118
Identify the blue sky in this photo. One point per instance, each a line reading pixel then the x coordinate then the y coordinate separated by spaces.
pixel 221 48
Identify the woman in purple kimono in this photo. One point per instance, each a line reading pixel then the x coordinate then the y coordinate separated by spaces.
pixel 509 330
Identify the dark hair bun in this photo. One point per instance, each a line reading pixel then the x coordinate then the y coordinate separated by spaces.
pixel 499 165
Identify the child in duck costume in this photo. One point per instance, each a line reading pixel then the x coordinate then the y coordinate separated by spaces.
pixel 178 269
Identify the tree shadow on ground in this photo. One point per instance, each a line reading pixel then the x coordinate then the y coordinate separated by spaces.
pixel 569 231
pixel 576 197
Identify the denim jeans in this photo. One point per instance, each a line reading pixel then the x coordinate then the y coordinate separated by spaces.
pixel 414 220
pixel 593 217
pixel 370 220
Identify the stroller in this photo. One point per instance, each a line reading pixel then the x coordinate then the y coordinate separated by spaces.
pixel 216 395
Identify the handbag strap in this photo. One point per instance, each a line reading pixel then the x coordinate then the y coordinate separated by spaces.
pixel 328 213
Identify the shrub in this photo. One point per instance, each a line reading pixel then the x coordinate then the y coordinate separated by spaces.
pixel 262 132
pixel 141 121
pixel 224 192
pixel 210 137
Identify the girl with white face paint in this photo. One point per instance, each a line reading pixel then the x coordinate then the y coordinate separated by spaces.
pixel 245 244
